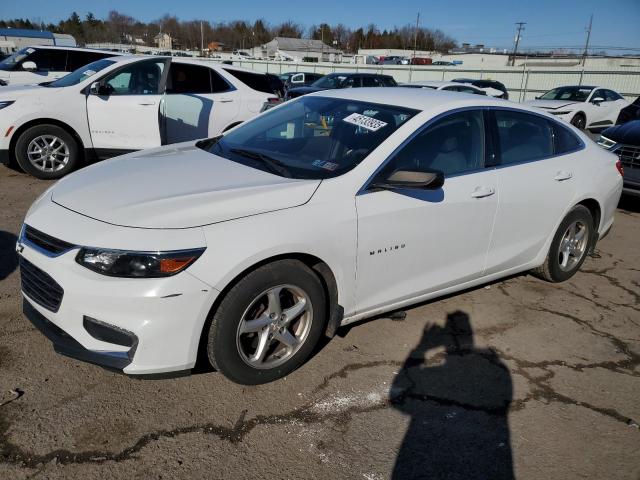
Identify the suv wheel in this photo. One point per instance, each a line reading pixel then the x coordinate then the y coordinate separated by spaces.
pixel 47 152
pixel 268 324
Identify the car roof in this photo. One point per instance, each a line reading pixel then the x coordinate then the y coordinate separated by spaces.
pixel 422 99
pixel 434 84
pixel 75 49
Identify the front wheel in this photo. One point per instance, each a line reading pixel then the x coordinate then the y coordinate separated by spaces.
pixel 47 152
pixel 579 121
pixel 268 324
pixel 569 246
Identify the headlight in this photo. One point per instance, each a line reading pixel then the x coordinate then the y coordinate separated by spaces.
pixel 120 263
pixel 606 143
pixel 6 103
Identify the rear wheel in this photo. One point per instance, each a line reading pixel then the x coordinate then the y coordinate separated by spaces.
pixel 268 323
pixel 47 152
pixel 579 121
pixel 569 247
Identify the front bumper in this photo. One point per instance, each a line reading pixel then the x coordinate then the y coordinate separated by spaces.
pixel 139 326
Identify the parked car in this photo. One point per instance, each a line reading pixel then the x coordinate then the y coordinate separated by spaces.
pixel 421 61
pixel 443 63
pixel 343 80
pixel 629 113
pixel 339 206
pixel 121 104
pixel 394 60
pixel 299 79
pixel 492 87
pixel 624 141
pixel 45 63
pixel 447 86
pixel 583 106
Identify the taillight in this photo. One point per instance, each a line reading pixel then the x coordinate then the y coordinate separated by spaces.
pixel 273 100
pixel 620 167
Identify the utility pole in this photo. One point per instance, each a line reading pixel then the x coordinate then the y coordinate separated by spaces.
pixel 415 37
pixel 586 45
pixel 201 40
pixel 322 40
pixel 515 49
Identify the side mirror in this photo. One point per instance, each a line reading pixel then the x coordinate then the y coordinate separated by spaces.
pixel 97 88
pixel 30 66
pixel 597 100
pixel 417 179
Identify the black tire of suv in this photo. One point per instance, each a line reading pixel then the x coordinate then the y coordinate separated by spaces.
pixel 550 270
pixel 46 129
pixel 222 349
pixel 579 121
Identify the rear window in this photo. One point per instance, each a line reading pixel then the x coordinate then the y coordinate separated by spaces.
pixel 76 59
pixel 564 141
pixel 256 81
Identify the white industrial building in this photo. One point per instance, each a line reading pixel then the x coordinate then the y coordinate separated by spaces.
pixel 300 49
pixel 12 39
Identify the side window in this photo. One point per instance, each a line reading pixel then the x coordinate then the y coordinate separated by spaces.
pixel 564 141
pixel 140 78
pixel 611 96
pixel 187 78
pixel 257 81
pixel 48 60
pixel 453 144
pixel 76 60
pixel 370 82
pixel 522 137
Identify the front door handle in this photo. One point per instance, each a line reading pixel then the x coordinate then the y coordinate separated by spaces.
pixel 481 192
pixel 561 176
pixel 226 100
pixel 146 103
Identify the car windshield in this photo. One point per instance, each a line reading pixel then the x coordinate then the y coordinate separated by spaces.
pixel 573 94
pixel 311 138
pixel 12 60
pixel 330 81
pixel 81 74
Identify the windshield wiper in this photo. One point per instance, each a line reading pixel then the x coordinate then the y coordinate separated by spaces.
pixel 276 166
pixel 207 143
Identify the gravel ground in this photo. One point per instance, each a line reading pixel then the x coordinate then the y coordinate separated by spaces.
pixel 517 379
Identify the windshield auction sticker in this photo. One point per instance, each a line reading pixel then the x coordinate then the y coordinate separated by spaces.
pixel 363 121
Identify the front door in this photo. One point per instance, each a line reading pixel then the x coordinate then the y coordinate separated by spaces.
pixel 126 116
pixel 413 242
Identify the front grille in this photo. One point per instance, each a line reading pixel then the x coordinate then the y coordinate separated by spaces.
pixel 46 242
pixel 629 155
pixel 39 286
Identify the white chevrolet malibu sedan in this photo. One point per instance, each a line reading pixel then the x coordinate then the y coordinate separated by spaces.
pixel 244 249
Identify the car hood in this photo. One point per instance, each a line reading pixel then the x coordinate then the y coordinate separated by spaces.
pixel 179 186
pixel 627 133
pixel 304 90
pixel 11 92
pixel 549 104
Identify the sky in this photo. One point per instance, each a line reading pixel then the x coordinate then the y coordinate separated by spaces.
pixel 491 22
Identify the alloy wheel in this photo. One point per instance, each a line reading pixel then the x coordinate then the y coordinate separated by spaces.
pixel 573 245
pixel 48 153
pixel 274 326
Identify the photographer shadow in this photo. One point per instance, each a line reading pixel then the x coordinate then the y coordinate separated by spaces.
pixel 458 398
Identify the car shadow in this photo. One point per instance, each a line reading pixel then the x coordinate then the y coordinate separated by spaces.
pixel 457 397
pixel 8 255
pixel 630 203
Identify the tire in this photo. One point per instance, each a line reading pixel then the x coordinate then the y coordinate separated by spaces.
pixel 579 121
pixel 65 152
pixel 560 265
pixel 234 343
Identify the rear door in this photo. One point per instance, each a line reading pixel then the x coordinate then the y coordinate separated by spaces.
pixel 198 103
pixel 126 117
pixel 537 161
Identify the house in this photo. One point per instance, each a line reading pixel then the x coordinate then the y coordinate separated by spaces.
pixel 304 49
pixel 163 41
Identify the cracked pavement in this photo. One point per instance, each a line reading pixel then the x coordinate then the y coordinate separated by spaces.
pixel 517 379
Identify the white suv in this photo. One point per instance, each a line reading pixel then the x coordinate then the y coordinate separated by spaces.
pixel 45 63
pixel 122 104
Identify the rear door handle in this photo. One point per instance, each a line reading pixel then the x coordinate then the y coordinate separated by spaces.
pixel 561 176
pixel 147 103
pixel 226 100
pixel 481 192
